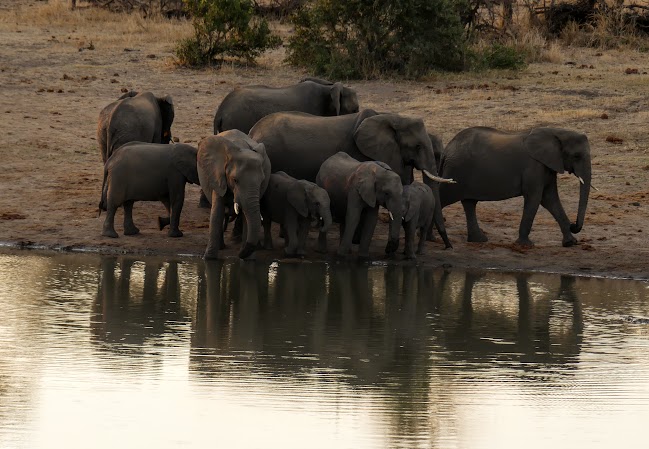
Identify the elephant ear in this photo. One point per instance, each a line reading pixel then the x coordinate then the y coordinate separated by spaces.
pixel 365 185
pixel 376 138
pixel 184 159
pixel 336 92
pixel 544 146
pixel 297 198
pixel 412 206
pixel 213 160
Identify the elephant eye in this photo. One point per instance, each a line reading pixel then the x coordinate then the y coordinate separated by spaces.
pixel 235 180
pixel 317 204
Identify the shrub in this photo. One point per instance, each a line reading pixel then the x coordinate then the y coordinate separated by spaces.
pixel 224 28
pixel 367 39
pixel 499 56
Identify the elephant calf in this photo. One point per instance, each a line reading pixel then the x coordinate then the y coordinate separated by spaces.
pixel 418 211
pixel 294 205
pixel 492 165
pixel 356 190
pixel 141 171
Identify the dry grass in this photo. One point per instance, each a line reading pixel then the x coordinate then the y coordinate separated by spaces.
pixel 98 24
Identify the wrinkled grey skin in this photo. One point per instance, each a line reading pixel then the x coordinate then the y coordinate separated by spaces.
pixel 418 208
pixel 141 171
pixel 245 106
pixel 233 169
pixel 134 117
pixel 299 143
pixel 356 190
pixel 294 205
pixel 492 165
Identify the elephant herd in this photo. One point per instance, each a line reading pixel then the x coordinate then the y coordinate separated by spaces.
pixel 306 156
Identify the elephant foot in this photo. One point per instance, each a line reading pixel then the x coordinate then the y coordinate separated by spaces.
pixel 409 255
pixel 211 254
pixel 477 237
pixel 175 233
pixel 163 222
pixel 110 233
pixel 567 242
pixel 247 250
pixel 131 230
pixel 392 246
pixel 526 242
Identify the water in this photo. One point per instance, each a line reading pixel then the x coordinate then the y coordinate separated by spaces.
pixel 100 352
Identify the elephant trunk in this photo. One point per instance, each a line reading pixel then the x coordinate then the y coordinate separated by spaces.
pixel 325 215
pixel 584 191
pixel 395 228
pixel 438 217
pixel 253 222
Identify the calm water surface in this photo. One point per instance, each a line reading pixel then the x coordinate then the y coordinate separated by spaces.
pixel 101 352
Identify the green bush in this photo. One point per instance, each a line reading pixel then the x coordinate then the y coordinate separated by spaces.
pixel 372 38
pixel 499 56
pixel 224 28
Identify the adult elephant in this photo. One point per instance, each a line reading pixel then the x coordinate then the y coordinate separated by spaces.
pixel 245 106
pixel 299 143
pixel 234 172
pixel 140 117
pixel 492 165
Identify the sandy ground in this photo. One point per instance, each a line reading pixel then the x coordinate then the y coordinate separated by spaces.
pixel 59 69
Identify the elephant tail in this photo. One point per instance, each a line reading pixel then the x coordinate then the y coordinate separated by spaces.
pixel 218 123
pixel 104 193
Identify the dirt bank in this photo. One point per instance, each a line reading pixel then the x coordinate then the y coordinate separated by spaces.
pixel 59 69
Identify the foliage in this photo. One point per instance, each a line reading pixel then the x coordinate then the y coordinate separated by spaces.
pixel 499 56
pixel 371 38
pixel 224 28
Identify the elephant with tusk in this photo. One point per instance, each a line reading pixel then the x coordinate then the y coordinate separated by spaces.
pixel 493 165
pixel 299 143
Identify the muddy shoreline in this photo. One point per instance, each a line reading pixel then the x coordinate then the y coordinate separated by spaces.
pixel 52 87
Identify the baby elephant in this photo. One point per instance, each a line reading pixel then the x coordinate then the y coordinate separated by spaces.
pixel 418 211
pixel 140 171
pixel 356 190
pixel 294 205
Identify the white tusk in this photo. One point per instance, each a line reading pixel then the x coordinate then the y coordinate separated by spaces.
pixel 391 217
pixel 580 179
pixel 594 188
pixel 437 178
pixel 236 208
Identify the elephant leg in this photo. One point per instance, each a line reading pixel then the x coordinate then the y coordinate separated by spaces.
pixel 109 223
pixel 474 233
pixel 552 203
pixel 163 222
pixel 268 238
pixel 290 229
pixel 422 239
pixel 238 230
pixel 129 226
pixel 177 200
pixel 322 243
pixel 302 235
pixel 216 228
pixel 410 229
pixel 203 202
pixel 352 218
pixel 368 224
pixel 531 206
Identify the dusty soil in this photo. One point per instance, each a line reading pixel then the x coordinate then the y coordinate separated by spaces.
pixel 58 69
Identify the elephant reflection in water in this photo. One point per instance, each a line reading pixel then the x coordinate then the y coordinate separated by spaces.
pixel 537 333
pixel 120 316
